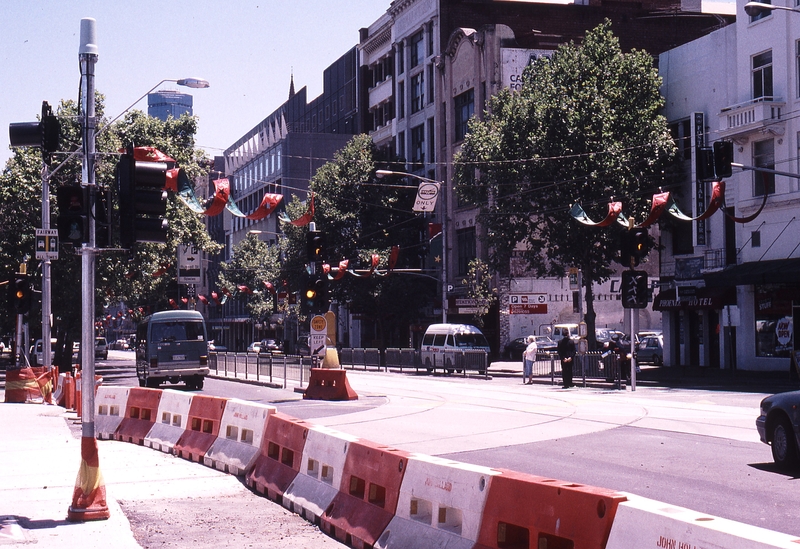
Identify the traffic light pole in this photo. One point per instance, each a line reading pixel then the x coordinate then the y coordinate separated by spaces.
pixel 47 351
pixel 89 497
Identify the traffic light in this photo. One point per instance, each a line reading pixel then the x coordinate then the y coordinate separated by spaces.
pixel 19 294
pixel 314 299
pixel 315 246
pixel 73 214
pixel 704 165
pixel 44 134
pixel 723 156
pixel 634 290
pixel 633 247
pixel 142 200
pixel 639 245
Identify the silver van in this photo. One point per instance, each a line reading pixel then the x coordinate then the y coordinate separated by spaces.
pixel 172 346
pixel 450 346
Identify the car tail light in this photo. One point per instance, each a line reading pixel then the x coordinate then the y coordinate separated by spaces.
pixel 203 360
pixel 154 363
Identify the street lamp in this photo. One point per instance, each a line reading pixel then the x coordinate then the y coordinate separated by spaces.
pixel 754 9
pixel 383 173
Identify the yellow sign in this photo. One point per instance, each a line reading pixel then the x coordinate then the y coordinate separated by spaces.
pixel 319 324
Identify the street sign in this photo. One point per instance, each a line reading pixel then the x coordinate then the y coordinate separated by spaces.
pixel 188 264
pixel 46 244
pixel 318 337
pixel 634 289
pixel 527 304
pixel 427 192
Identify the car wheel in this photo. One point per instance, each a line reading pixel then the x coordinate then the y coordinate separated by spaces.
pixel 784 449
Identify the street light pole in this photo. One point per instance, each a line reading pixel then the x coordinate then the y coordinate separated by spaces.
pixel 443 202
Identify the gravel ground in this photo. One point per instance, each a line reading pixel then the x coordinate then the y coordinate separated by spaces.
pixel 245 520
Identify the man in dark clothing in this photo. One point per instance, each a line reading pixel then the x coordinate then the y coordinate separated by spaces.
pixel 566 352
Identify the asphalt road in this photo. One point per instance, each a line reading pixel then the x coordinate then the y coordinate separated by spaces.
pixel 692 448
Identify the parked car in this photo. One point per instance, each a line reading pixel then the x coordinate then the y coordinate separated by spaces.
pixel 214 348
pixel 101 348
pixel 778 426
pixel 546 344
pixel 514 349
pixel 651 349
pixel 269 346
pixel 254 347
pixel 120 345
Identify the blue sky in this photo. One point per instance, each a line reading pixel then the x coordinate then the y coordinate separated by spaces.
pixel 246 49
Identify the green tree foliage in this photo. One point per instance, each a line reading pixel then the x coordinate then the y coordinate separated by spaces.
pixel 480 288
pixel 121 275
pixel 584 127
pixel 254 263
pixel 361 216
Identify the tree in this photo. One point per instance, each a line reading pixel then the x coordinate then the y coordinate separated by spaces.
pixel 254 263
pixel 362 216
pixel 120 276
pixel 584 127
pixel 479 287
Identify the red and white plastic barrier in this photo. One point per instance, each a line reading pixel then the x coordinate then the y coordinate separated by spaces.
pixel 368 494
pixel 320 477
pixel 171 420
pixel 110 405
pixel 441 501
pixel 140 415
pixel 642 523
pixel 280 455
pixel 240 435
pixel 528 511
pixel 205 417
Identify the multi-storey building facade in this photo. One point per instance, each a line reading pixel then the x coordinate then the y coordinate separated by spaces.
pixel 165 103
pixel 735 276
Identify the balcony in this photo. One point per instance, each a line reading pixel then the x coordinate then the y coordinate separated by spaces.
pixel 762 114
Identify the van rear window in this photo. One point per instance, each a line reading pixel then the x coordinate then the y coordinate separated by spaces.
pixel 177 331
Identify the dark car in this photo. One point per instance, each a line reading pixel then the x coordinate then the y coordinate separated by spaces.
pixel 778 426
pixel 269 346
pixel 514 349
pixel 546 344
pixel 651 349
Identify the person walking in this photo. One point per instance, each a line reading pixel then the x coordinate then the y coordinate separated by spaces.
pixel 566 353
pixel 528 358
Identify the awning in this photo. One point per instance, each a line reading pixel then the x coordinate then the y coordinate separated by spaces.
pixel 777 271
pixel 705 298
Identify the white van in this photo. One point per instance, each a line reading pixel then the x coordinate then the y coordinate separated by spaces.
pixel 441 343
pixel 560 330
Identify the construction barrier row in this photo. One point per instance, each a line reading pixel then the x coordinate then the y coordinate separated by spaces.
pixel 369 495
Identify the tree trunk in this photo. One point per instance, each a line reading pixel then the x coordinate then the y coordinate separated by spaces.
pixel 590 316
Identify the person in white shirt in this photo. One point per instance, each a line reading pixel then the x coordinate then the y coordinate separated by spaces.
pixel 528 358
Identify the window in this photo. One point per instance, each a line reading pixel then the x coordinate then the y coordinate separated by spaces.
pixel 773 313
pixel 430 83
pixel 755 239
pixel 431 147
pixel 418 144
pixel 417 92
pixel 797 66
pixel 464 107
pixel 401 62
pixel 417 49
pixel 401 102
pixel 764 157
pixel 682 135
pixel 466 249
pixel 761 14
pixel 401 145
pixel 762 75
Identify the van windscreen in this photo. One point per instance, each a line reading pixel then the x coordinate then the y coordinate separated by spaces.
pixel 177 331
pixel 471 340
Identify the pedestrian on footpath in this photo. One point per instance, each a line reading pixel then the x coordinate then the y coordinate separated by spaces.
pixel 566 352
pixel 528 358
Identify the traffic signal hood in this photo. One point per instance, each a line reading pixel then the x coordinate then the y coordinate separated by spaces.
pixel 714 163
pixel 142 200
pixel 634 246
pixel 44 134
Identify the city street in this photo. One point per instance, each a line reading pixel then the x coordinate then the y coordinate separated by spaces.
pixel 696 448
